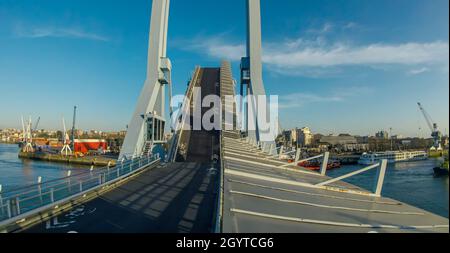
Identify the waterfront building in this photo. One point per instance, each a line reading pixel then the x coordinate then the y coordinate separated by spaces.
pixel 286 138
pixel 338 140
pixel 305 137
pixel 343 143
pixel 294 139
pixel 383 135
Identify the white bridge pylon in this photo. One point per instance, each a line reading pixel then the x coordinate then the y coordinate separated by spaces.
pixel 252 81
pixel 150 109
pixel 151 102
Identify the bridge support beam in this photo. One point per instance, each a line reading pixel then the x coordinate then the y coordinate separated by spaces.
pixel 251 77
pixel 151 102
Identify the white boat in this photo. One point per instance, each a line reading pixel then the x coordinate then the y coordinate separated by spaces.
pixel 392 157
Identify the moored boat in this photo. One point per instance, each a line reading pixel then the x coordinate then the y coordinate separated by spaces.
pixel 316 165
pixel 392 157
pixel 442 170
pixel 439 171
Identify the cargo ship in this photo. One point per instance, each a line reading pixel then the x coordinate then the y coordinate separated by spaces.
pixel 392 157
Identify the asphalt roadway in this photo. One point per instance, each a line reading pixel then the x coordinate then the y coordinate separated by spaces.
pixel 176 198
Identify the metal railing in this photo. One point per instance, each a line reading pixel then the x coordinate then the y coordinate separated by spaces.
pixel 379 178
pixel 183 114
pixel 27 200
pixel 220 196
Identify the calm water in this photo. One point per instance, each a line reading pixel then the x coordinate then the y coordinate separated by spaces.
pixel 15 172
pixel 412 183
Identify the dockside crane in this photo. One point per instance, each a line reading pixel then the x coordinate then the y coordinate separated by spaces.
pixel 66 150
pixel 37 124
pixel 73 127
pixel 435 133
pixel 28 148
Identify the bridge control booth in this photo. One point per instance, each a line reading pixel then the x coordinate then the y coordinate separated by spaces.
pixel 154 134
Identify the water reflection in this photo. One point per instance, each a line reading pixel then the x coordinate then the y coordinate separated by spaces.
pixel 15 172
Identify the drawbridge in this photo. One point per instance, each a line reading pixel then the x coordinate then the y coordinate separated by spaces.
pixel 224 178
pixel 214 182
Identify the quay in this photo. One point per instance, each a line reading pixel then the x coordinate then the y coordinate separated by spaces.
pixel 58 158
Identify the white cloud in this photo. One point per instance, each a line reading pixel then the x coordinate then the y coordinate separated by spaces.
pixel 214 46
pixel 303 56
pixel 350 25
pixel 347 55
pixel 296 100
pixel 48 32
pixel 326 28
pixel 418 71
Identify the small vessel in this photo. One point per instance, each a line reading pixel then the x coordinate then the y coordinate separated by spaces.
pixel 442 170
pixel 316 165
pixel 392 157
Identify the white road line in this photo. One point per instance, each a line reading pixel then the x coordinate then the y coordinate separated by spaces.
pixel 324 206
pixel 272 166
pixel 332 223
pixel 316 194
pixel 263 157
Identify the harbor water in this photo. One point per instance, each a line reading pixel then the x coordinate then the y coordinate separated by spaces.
pixel 413 182
pixel 16 173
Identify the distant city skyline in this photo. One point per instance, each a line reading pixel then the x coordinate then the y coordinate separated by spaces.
pixel 424 136
pixel 339 66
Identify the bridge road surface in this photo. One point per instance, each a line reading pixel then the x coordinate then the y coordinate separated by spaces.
pixel 259 196
pixel 202 144
pixel 177 198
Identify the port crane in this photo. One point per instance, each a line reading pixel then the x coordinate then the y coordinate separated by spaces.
pixel 435 133
pixel 28 148
pixel 37 124
pixel 73 127
pixel 66 150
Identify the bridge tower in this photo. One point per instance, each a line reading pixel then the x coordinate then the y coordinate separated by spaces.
pixel 252 78
pixel 146 128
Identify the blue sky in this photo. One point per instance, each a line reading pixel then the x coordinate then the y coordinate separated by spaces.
pixel 339 66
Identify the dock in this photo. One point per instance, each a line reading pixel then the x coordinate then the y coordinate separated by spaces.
pixel 58 158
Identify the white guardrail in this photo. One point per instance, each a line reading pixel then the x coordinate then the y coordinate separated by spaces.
pixel 26 201
pixel 279 152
